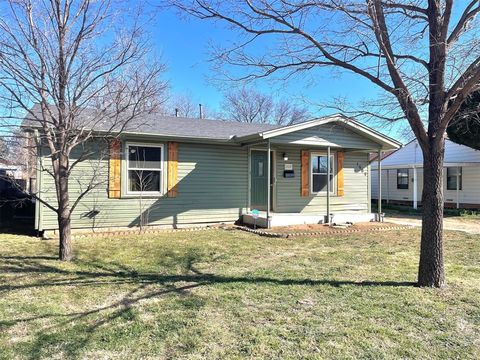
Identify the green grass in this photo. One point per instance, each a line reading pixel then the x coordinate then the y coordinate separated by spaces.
pixel 223 294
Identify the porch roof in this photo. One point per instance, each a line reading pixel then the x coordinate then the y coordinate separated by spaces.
pixel 384 142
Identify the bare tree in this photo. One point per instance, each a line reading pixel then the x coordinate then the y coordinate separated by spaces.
pixel 3 148
pixel 248 105
pixel 288 113
pixel 251 106
pixel 423 53
pixel 143 181
pixel 87 73
pixel 184 105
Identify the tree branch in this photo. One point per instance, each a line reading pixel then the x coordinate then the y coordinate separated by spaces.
pixel 467 16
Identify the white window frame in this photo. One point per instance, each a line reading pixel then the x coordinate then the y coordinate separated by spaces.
pixel 333 187
pixel 460 177
pixel 127 169
pixel 404 177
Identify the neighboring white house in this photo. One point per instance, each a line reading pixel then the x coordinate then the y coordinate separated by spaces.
pixel 9 170
pixel 402 176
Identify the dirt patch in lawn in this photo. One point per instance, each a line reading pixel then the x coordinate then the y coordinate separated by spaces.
pixel 366 226
pixel 320 229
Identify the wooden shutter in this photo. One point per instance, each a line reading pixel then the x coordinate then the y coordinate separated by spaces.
pixel 340 181
pixel 114 169
pixel 172 169
pixel 305 173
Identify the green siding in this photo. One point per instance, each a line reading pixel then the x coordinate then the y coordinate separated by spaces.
pixel 212 188
pixel 287 193
pixel 335 135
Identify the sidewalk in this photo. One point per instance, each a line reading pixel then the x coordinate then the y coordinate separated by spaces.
pixel 470 226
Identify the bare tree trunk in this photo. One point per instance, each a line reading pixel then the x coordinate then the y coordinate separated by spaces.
pixel 431 270
pixel 65 249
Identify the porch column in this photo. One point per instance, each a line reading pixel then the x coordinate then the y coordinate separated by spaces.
pixel 458 187
pixel 388 186
pixel 415 190
pixel 379 207
pixel 328 185
pixel 268 184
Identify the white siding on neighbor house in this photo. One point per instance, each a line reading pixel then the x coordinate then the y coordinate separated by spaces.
pixel 389 185
pixel 470 193
pixel 411 154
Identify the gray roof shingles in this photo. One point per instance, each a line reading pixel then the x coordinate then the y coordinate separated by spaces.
pixel 198 128
pixel 157 124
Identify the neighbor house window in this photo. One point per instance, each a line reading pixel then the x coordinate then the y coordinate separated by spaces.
pixel 144 168
pixel 402 178
pixel 452 173
pixel 319 176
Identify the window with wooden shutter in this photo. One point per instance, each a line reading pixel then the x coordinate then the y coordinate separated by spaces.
pixel 114 169
pixel 340 179
pixel 144 169
pixel 319 176
pixel 172 169
pixel 305 173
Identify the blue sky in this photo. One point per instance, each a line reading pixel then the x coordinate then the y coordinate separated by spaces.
pixel 184 45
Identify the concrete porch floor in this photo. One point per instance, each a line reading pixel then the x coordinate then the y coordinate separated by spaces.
pixel 287 219
pixel 282 219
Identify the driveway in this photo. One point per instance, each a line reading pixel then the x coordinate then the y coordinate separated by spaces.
pixel 455 223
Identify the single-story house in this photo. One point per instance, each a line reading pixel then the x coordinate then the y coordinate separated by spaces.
pixel 402 176
pixel 200 171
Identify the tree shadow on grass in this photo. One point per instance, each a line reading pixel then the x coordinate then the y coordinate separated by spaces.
pixel 146 285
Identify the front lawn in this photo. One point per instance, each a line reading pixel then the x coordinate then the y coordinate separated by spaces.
pixel 222 294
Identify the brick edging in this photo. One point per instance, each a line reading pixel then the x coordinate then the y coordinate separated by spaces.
pixel 135 232
pixel 261 232
pixel 243 228
pixel 338 231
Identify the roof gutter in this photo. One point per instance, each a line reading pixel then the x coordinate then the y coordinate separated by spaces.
pixel 225 141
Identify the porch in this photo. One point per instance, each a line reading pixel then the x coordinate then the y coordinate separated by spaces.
pixel 312 170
